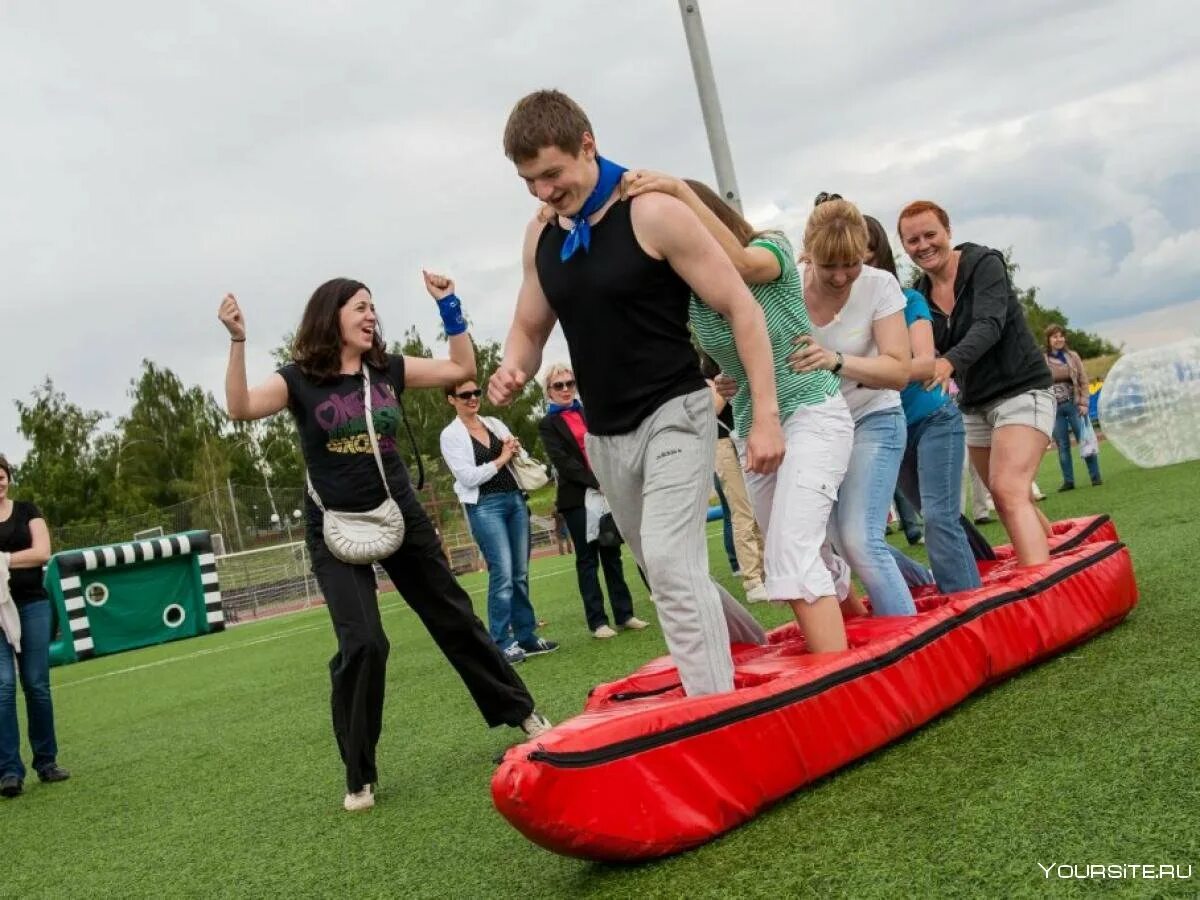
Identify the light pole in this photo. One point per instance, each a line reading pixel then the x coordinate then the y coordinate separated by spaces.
pixel 710 103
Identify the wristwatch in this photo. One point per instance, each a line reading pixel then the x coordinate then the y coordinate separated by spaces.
pixel 837 366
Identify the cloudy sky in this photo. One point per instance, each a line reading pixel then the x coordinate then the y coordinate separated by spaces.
pixel 159 154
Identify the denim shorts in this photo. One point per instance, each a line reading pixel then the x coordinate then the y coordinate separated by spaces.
pixel 1036 409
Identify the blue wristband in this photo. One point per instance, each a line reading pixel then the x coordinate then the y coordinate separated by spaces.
pixel 452 317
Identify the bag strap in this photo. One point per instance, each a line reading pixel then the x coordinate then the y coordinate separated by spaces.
pixel 370 419
pixel 371 427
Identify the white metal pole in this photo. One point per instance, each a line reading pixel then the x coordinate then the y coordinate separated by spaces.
pixel 710 103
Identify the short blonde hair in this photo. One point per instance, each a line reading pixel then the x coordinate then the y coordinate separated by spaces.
pixel 555 369
pixel 836 234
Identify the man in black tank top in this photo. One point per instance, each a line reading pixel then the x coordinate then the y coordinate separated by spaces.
pixel 617 274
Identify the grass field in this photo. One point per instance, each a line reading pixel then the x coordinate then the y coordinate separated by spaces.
pixel 207 767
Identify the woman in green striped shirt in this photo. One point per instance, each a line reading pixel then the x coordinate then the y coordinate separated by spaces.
pixel 792 505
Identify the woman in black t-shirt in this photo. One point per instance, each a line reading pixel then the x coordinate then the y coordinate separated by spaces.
pixel 337 343
pixel 24 549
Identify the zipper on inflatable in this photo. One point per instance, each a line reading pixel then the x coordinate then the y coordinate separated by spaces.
pixel 579 759
pixel 1086 532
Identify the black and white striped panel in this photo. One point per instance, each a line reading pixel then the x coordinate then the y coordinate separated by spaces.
pixel 124 554
pixel 212 591
pixel 77 620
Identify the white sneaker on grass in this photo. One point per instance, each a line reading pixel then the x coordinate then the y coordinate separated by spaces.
pixel 604 632
pixel 357 801
pixel 535 725
pixel 633 623
pixel 757 593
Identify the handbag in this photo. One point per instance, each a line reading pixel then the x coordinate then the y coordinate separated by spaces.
pixel 528 472
pixel 361 538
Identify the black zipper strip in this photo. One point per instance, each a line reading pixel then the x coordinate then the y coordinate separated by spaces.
pixel 579 759
pixel 1081 538
pixel 1077 541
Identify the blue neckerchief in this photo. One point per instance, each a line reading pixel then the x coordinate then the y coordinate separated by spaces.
pixel 556 408
pixel 1060 355
pixel 581 232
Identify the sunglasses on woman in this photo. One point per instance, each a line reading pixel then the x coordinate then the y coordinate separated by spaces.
pixel 469 395
pixel 563 385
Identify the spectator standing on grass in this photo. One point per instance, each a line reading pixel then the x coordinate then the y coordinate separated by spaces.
pixel 563 431
pixel 1070 390
pixel 338 350
pixel 984 343
pixel 478 449
pixel 25 644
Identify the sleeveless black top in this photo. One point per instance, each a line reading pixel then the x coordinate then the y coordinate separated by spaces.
pixel 624 315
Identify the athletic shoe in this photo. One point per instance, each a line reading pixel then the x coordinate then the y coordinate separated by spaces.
pixel 11 786
pixel 983 520
pixel 1097 482
pixel 535 725
pixel 604 632
pixel 538 646
pixel 52 773
pixel 757 594
pixel 357 801
pixel 1066 486
pixel 633 623
pixel 514 654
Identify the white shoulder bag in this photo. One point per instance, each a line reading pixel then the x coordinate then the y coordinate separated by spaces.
pixel 361 538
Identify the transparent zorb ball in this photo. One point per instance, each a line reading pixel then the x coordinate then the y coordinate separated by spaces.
pixel 1150 404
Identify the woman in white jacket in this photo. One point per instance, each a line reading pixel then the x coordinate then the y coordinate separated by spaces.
pixel 478 449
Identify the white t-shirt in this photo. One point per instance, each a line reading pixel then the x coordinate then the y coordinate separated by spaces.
pixel 874 295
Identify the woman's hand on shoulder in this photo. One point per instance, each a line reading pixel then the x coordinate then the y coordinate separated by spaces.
pixel 644 181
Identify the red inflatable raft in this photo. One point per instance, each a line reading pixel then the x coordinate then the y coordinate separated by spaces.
pixel 645 771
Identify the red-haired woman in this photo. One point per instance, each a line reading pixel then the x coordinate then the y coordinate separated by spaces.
pixel 984 344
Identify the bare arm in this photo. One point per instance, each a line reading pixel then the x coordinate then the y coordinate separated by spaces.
pixel 887 370
pixel 39 553
pixel 532 323
pixel 667 229
pixel 244 403
pixel 755 265
pixel 920 337
pixel 420 371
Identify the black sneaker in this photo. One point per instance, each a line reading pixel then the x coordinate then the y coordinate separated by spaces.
pixel 1097 482
pixel 538 646
pixel 11 786
pixel 53 773
pixel 1066 486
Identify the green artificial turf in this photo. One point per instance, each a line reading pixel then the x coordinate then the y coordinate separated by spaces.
pixel 207 767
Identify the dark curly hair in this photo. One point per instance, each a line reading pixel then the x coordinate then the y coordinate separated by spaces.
pixel 317 348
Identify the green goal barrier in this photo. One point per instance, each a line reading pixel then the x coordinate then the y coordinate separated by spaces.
pixel 123 596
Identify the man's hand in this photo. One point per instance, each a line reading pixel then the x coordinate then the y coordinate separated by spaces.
pixel 764 447
pixel 505 384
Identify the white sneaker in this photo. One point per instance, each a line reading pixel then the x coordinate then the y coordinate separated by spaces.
pixel 633 623
pixel 757 594
pixel 536 725
pixel 604 632
pixel 357 801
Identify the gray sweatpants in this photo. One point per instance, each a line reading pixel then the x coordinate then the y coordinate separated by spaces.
pixel 658 479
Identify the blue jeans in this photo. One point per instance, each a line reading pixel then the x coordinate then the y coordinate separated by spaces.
pixel 931 478
pixel 859 519
pixel 500 524
pixel 34 664
pixel 1068 421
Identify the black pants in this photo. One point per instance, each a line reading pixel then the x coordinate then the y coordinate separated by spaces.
pixel 421 575
pixel 587 555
